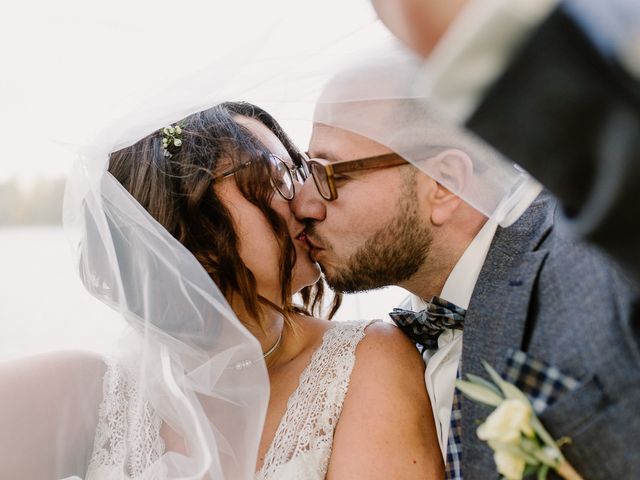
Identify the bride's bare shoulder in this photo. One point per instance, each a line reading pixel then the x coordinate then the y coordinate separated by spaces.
pixel 386 409
pixel 45 398
pixel 52 368
pixel 385 343
pixel 61 358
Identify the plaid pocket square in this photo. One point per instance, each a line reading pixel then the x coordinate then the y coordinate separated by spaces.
pixel 541 382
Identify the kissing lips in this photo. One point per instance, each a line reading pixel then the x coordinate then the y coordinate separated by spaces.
pixel 304 240
pixel 314 250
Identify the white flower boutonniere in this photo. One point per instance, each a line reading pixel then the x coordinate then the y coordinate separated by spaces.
pixel 520 443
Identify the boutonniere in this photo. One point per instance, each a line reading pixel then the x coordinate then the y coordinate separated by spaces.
pixel 520 443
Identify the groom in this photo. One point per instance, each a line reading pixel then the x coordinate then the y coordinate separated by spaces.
pixel 552 314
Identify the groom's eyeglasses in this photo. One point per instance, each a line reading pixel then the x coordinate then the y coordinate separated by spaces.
pixel 325 173
pixel 281 174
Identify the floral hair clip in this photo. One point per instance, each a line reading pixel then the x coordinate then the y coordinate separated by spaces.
pixel 171 140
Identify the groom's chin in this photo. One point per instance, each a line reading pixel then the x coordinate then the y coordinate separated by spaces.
pixel 333 280
pixel 345 282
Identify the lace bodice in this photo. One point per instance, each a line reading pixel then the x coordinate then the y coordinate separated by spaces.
pixel 128 441
pixel 302 444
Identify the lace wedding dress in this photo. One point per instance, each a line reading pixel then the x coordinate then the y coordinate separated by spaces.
pixel 128 441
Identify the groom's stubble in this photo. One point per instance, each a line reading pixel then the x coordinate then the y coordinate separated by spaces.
pixel 391 255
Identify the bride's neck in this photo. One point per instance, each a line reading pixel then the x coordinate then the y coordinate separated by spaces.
pixel 267 330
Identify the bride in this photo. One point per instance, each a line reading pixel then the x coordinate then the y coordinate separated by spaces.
pixel 347 400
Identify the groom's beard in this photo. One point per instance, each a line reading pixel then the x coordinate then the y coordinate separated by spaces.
pixel 390 256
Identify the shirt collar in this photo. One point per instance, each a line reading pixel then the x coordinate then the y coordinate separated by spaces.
pixel 462 279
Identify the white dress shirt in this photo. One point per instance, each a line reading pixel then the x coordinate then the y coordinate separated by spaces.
pixel 442 365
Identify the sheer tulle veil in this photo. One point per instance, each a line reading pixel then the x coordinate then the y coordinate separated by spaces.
pixel 191 359
pixel 154 63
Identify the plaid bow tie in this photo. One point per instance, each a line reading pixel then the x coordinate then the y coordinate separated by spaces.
pixel 424 327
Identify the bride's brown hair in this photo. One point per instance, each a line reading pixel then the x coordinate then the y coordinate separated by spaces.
pixel 178 192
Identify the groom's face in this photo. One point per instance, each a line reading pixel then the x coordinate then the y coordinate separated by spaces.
pixel 373 234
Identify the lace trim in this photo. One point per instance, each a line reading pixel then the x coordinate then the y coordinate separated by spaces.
pixel 127 440
pixel 314 407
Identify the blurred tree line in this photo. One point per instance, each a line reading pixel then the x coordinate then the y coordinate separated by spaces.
pixel 39 204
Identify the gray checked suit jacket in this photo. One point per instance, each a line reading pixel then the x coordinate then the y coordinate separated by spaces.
pixel 564 303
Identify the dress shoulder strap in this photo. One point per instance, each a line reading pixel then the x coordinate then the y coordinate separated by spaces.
pixel 314 407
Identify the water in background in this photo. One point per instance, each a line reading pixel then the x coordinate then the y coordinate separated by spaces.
pixel 43 305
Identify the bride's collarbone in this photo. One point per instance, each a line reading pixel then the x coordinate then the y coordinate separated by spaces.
pixel 300 340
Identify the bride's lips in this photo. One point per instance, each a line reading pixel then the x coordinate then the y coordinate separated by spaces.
pixel 301 238
pixel 314 249
pixel 304 242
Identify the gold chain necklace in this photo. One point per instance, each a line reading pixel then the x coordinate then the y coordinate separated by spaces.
pixel 275 346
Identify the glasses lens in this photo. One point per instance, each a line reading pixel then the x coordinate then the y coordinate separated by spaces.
pixel 320 177
pixel 281 177
pixel 301 173
pixel 303 169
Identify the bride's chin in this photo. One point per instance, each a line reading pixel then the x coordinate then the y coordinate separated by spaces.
pixel 305 274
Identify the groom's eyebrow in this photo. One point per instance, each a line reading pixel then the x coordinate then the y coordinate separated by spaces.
pixel 325 155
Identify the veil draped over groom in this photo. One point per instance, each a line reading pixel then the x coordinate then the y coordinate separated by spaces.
pixel 380 98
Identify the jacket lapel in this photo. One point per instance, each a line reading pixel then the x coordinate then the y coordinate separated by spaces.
pixel 498 312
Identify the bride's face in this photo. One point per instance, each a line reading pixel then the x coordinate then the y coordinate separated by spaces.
pixel 259 248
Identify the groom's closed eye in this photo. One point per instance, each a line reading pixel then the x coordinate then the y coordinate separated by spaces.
pixel 341 178
pixel 325 155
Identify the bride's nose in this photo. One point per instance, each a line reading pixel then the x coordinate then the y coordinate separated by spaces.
pixel 307 203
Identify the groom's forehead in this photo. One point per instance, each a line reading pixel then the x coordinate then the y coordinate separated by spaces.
pixel 337 144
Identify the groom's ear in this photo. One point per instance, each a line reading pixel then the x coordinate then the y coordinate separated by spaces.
pixel 453 169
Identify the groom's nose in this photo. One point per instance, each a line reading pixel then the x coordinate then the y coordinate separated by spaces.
pixel 308 204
